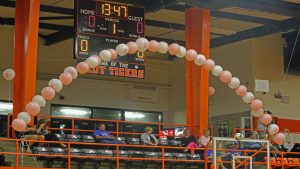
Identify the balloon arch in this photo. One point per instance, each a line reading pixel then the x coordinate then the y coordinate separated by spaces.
pixel 142 44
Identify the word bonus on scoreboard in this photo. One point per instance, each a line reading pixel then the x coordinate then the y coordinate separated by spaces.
pixel 103 25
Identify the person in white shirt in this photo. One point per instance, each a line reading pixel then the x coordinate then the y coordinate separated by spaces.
pixel 205 139
pixel 289 143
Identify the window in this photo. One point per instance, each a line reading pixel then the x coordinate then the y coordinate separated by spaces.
pixel 67 111
pixel 107 114
pixel 140 116
pixel 5 108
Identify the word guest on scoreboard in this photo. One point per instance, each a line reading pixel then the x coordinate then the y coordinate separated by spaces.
pixel 103 25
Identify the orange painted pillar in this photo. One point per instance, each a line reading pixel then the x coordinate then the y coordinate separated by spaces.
pixel 197 35
pixel 25 53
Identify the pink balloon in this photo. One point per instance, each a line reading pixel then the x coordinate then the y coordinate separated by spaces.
pixel 113 54
pixel 256 104
pixel 33 108
pixel 133 47
pixel 190 54
pixel 209 64
pixel 265 119
pixel 241 90
pixel 82 68
pixel 211 91
pixel 259 112
pixel 225 76
pixel 18 125
pixel 66 78
pixel 273 129
pixel 174 49
pixel 153 46
pixel 279 138
pixel 48 93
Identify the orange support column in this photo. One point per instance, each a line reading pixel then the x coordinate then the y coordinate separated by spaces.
pixel 197 35
pixel 25 53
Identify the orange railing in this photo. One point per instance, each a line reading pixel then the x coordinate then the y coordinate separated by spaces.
pixel 281 161
pixel 118 123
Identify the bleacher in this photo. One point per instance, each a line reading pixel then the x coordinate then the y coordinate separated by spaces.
pixel 84 151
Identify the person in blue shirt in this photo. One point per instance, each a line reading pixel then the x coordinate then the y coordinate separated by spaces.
pixel 104 136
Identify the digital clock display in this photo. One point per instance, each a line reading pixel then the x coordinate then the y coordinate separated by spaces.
pixel 112 9
pixel 103 25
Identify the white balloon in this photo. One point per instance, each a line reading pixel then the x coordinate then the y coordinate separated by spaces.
pixel 273 129
pixel 122 49
pixel 72 70
pixel 92 61
pixel 40 100
pixel 217 70
pixel 182 52
pixel 9 74
pixel 143 44
pixel 199 59
pixel 55 84
pixel 105 55
pixel 258 113
pixel 25 116
pixel 234 83
pixel 248 98
pixel 163 47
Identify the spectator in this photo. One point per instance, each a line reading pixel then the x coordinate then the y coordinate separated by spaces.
pixel 148 138
pixel 30 133
pixel 219 155
pixel 104 136
pixel 235 151
pixel 42 129
pixel 289 143
pixel 252 145
pixel 205 139
pixel 188 140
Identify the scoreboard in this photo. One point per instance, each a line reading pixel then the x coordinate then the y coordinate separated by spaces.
pixel 103 25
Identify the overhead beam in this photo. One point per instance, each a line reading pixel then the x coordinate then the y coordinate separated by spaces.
pixel 280 26
pixel 228 15
pixel 281 8
pixel 42 25
pixel 170 6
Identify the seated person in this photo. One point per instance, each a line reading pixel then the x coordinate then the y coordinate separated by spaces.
pixel 235 152
pixel 252 145
pixel 104 136
pixel 30 133
pixel 219 155
pixel 42 129
pixel 189 140
pixel 148 138
pixel 205 139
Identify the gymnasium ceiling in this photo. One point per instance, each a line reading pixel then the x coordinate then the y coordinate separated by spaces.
pixel 231 21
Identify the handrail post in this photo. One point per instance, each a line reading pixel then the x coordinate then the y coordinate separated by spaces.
pixel 117 157
pixel 282 164
pixel 163 157
pixel 69 155
pixel 205 157
pixel 17 153
pixel 118 129
pixel 73 126
pixel 245 163
pixel 159 128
